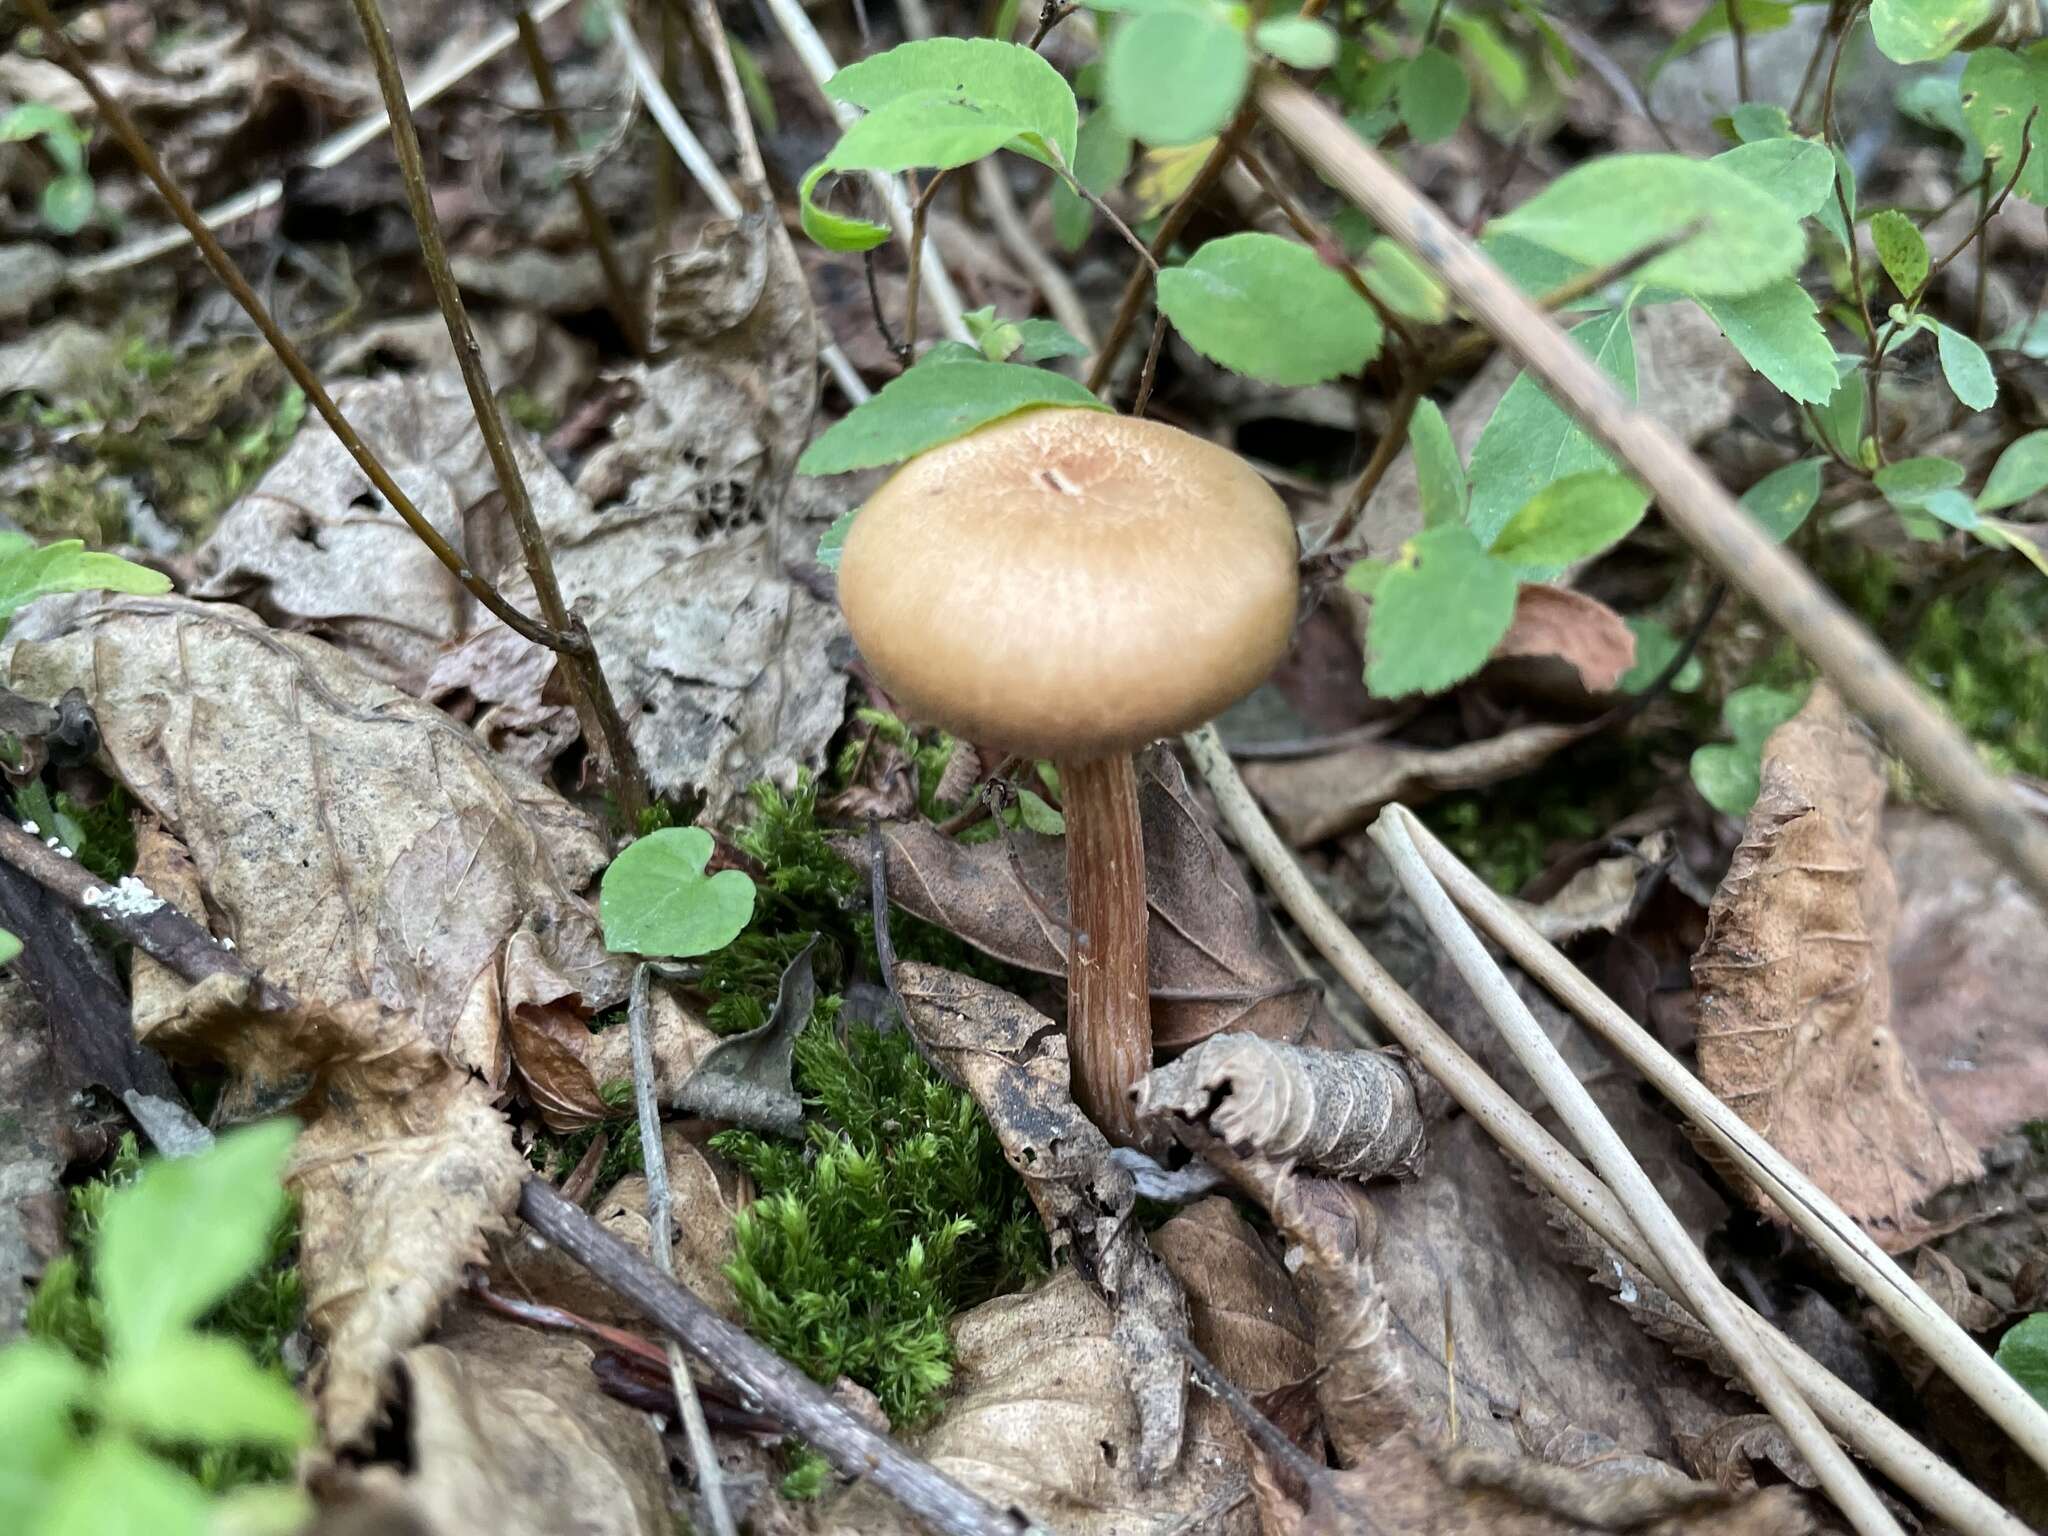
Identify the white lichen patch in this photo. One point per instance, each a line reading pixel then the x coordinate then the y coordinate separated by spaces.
pixel 131 898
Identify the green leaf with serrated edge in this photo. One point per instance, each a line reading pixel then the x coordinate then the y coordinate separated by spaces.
pixel 1728 778
pixel 931 404
pixel 1752 713
pixel 1656 647
pixel 915 132
pixel 835 231
pixel 1102 157
pixel 1571 519
pixel 27 573
pixel 186 1231
pixel 1270 308
pixel 1175 77
pixel 115 1488
pixel 2024 1354
pixel 40 1386
pixel 1040 339
pixel 1966 368
pixel 1039 817
pixel 1611 208
pixel 832 543
pixel 656 899
pixel 204 1389
pixel 1530 441
pixel 1797 172
pixel 2001 90
pixel 2021 471
pixel 1755 121
pixel 1297 41
pixel 1777 330
pixel 1782 500
pixel 1434 96
pixel 1909 482
pixel 1436 614
pixel 1901 248
pixel 1439 475
pixel 1401 283
pixel 1918 31
pixel 1758 16
pixel 1952 507
pixel 1002 79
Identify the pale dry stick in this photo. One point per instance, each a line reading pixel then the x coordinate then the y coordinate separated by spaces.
pixel 1007 221
pixel 653 1159
pixel 1691 499
pixel 710 181
pixel 1939 1487
pixel 1808 1207
pixel 1698 1286
pixel 596 709
pixel 818 63
pixel 324 156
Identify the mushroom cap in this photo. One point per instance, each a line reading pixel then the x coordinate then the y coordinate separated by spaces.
pixel 1071 584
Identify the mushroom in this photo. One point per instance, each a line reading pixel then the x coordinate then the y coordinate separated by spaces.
pixel 1071 584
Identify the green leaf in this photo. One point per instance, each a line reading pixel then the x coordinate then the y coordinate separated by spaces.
pixel 1269 307
pixel 10 947
pixel 1610 208
pixel 1433 97
pixel 203 1388
pixel 1039 817
pixel 835 231
pixel 1174 76
pixel 1908 483
pixel 1530 441
pixel 38 119
pixel 1841 419
pixel 2024 1354
pixel 833 541
pixel 1966 368
pixel 1403 284
pixel 1952 507
pixel 1570 520
pixel 2021 471
pixel 1040 339
pixel 1004 80
pixel 27 573
pixel 921 131
pixel 1797 172
pixel 1916 31
pixel 1297 41
pixel 67 202
pixel 1728 778
pixel 1439 475
pixel 1498 63
pixel 1752 713
pixel 40 1387
pixel 995 338
pixel 117 1489
pixel 1901 248
pixel 931 404
pixel 1436 614
pixel 1754 121
pixel 1656 646
pixel 2000 90
pixel 1757 16
pixel 186 1231
pixel 1533 269
pixel 1782 500
pixel 1102 157
pixel 1777 330
pixel 656 899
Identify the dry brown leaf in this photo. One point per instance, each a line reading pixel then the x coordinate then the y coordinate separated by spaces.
pixel 1312 799
pixel 1209 939
pixel 508 1432
pixel 1346 1114
pixel 1013 1060
pixel 1598 898
pixel 1242 1310
pixel 1795 990
pixel 1038 1418
pixel 1729 1454
pixel 1564 644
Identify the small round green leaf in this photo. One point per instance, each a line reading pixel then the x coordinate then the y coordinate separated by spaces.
pixel 1175 77
pixel 2021 471
pixel 1917 31
pixel 1270 308
pixel 68 202
pixel 2024 1354
pixel 10 947
pixel 999 78
pixel 1901 248
pixel 934 403
pixel 1909 482
pixel 1297 40
pixel 1966 368
pixel 1433 97
pixel 1727 777
pixel 1437 614
pixel 657 900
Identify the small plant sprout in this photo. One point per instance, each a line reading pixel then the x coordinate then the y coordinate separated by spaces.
pixel 1071 585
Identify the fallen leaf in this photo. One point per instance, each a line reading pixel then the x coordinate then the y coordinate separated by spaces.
pixel 1600 897
pixel 1013 1060
pixel 746 1080
pixel 1312 799
pixel 1949 1288
pixel 1795 993
pixel 1209 940
pixel 37 1137
pixel 1242 1310
pixel 549 1040
pixel 1729 1454
pixel 1563 644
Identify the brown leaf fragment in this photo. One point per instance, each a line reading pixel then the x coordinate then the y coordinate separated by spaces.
pixel 1565 644
pixel 1729 1454
pixel 1215 963
pixel 747 1079
pixel 1013 1060
pixel 1949 1288
pixel 1346 1114
pixel 1242 1310
pixel 1313 799
pixel 1795 988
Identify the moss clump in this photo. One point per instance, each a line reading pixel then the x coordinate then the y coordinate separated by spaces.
pixel 1508 831
pixel 554 1154
pixel 1984 654
pixel 896 1212
pixel 101 836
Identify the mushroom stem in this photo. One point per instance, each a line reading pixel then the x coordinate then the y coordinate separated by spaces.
pixel 1109 1004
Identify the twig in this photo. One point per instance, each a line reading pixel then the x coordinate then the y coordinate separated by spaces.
pixel 920 209
pixel 709 34
pixel 1150 372
pixel 625 308
pixel 1804 1203
pixel 817 61
pixel 764 1378
pixel 1008 223
pixel 598 710
pixel 324 156
pixel 1986 211
pixel 1384 452
pixel 1700 1288
pixel 1890 1449
pixel 1738 28
pixel 1689 496
pixel 1322 242
pixel 654 1160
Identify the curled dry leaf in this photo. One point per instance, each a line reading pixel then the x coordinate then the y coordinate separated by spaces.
pixel 1214 961
pixel 508 1431
pixel 1347 1114
pixel 1013 1060
pixel 1312 799
pixel 1564 645
pixel 1795 991
pixel 1729 1454
pixel 746 1079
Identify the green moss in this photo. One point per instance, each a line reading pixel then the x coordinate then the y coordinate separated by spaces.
pixel 101 836
pixel 809 1473
pixel 555 1153
pixel 1508 831
pixel 1984 654
pixel 896 1212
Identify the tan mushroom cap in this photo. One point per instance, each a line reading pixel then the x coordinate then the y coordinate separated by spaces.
pixel 1071 584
